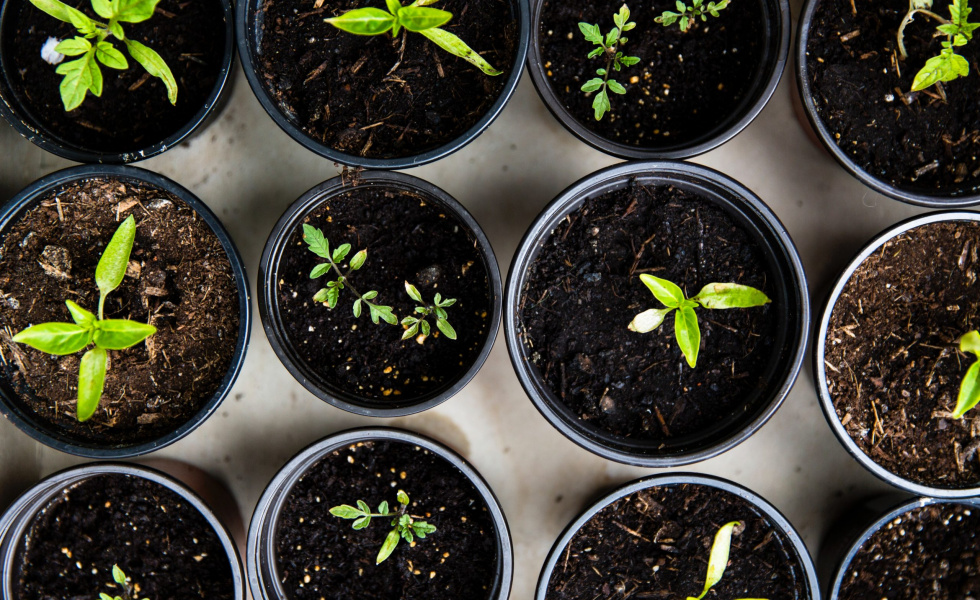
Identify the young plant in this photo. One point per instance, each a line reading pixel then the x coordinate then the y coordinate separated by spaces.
pixel 438 307
pixel 406 526
pixel 718 560
pixel 969 394
pixel 688 15
pixel 120 578
pixel 106 334
pixel 948 65
pixel 83 75
pixel 711 296
pixel 416 18
pixel 610 46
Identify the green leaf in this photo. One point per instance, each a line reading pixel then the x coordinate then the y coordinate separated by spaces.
pixel 668 293
pixel 969 394
pixel 411 331
pixel 315 240
pixel 346 511
pixel 119 334
pixel 104 596
pixel 407 534
pixel 341 253
pixel 320 270
pixel 118 576
pixel 154 65
pixel 74 46
pixel 333 296
pixel 718 559
pixel 425 327
pixel 391 542
pixel 413 292
pixel 83 24
pixel 383 508
pixel 361 504
pixel 441 312
pixel 116 30
pixel 601 104
pixel 103 8
pixel 629 61
pixel 112 266
pixel 362 522
pixel 55 338
pixel 80 77
pixel 970 342
pixel 80 315
pixel 688 334
pixel 321 296
pixel 417 18
pixel 393 6
pixel 596 52
pixel 616 87
pixel 110 57
pixel 649 320
pixel 612 37
pixel 592 85
pixel 364 21
pixel 61 11
pixel 685 23
pixel 591 33
pixel 370 295
pixel 423 529
pixel 133 11
pixel 357 308
pixel 402 497
pixel 730 295
pixel 446 302
pixel 382 312
pixel 457 47
pixel 621 17
pixel 358 261
pixel 91 381
pixel 446 328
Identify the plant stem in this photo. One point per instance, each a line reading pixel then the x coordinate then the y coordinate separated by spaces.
pixel 907 20
pixel 344 280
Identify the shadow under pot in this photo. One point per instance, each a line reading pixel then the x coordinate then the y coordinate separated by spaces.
pixel 578 282
pixel 887 362
pixel 136 115
pixel 184 278
pixel 298 546
pixel 339 313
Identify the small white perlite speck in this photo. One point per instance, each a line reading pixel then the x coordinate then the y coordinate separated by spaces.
pixel 48 52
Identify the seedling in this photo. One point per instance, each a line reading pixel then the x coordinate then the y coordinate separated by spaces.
pixel 958 31
pixel 83 75
pixel 609 46
pixel 689 15
pixel 416 18
pixel 969 394
pixel 711 296
pixel 438 307
pixel 107 334
pixel 122 581
pixel 406 526
pixel 718 559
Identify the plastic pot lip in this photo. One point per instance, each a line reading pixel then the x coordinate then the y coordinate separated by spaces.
pixel 40 138
pixel 269 307
pixel 774 62
pixel 245 14
pixel 11 212
pixel 260 553
pixel 771 512
pixel 18 515
pixel 820 345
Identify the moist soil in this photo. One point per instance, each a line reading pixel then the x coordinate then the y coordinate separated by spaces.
pixel 583 289
pixel 655 544
pixel 861 90
pixel 179 280
pixel 378 97
pixel 407 238
pixel 928 553
pixel 134 111
pixel 892 358
pixel 160 541
pixel 319 555
pixel 685 86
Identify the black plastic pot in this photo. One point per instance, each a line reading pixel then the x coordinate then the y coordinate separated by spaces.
pixel 790 301
pixel 26 420
pixel 775 53
pixel 21 119
pixel 260 557
pixel 272 319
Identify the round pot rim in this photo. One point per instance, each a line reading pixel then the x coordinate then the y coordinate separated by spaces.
pixel 248 53
pixel 774 64
pixel 269 305
pixel 11 213
pixel 820 345
pixel 541 228
pixel 40 138
pixel 771 512
pixel 276 493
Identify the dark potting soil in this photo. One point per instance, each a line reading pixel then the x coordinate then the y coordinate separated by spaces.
pixel 655 544
pixel 893 365
pixel 179 280
pixel 319 555
pixel 583 289
pixel 928 553
pixel 160 541
pixel 134 111
pixel 685 85
pixel 861 89
pixel 378 97
pixel 407 238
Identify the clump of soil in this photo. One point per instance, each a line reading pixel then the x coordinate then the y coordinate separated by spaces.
pixel 892 359
pixel 179 280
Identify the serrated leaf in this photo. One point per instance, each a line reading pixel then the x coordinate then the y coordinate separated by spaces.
pixel 591 32
pixel 616 87
pixel 317 243
pixel 91 381
pixel 358 261
pixel 341 253
pixel 384 313
pixel 730 295
pixel 119 334
pixel 346 511
pixel 446 329
pixel 391 542
pixel 110 57
pixel 457 47
pixel 413 292
pixel 364 21
pixel 154 65
pixel 668 293
pixel 688 334
pixel 423 529
pixel 649 320
pixel 112 265
pixel 80 315
pixel 55 338
pixel 80 77
pixel 592 85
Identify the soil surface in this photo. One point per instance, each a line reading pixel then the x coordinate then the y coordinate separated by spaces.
pixel 407 238
pixel 655 544
pixel 162 544
pixel 929 553
pixel 134 111
pixel 685 85
pixel 892 358
pixel 861 87
pixel 319 555
pixel 378 97
pixel 583 289
pixel 179 280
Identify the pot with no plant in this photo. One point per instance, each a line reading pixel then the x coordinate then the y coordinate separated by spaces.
pixel 124 311
pixel 656 313
pixel 379 513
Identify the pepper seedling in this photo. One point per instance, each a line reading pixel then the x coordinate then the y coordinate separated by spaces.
pixel 120 578
pixel 948 65
pixel 689 15
pixel 969 394
pixel 405 526
pixel 438 308
pixel 711 296
pixel 107 334
pixel 609 45
pixel 718 559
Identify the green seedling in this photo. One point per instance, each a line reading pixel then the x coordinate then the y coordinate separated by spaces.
pixel 711 296
pixel 405 526
pixel 609 46
pixel 415 17
pixel 424 309
pixel 718 559
pixel 969 394
pixel 687 16
pixel 958 31
pixel 123 582
pixel 107 334
pixel 83 75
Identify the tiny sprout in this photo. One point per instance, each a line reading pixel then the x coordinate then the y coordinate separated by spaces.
pixel 948 65
pixel 718 560
pixel 120 578
pixel 609 45
pixel 689 15
pixel 969 394
pixel 425 309
pixel 711 296
pixel 406 526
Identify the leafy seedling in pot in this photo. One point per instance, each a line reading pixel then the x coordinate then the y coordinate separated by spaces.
pixel 711 296
pixel 106 334
pixel 958 31
pixel 83 75
pixel 122 581
pixel 969 394
pixel 610 47
pixel 415 17
pixel 689 15
pixel 718 559
pixel 424 309
pixel 406 526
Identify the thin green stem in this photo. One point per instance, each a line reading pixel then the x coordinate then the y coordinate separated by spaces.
pixel 345 281
pixel 101 304
pixel 907 20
